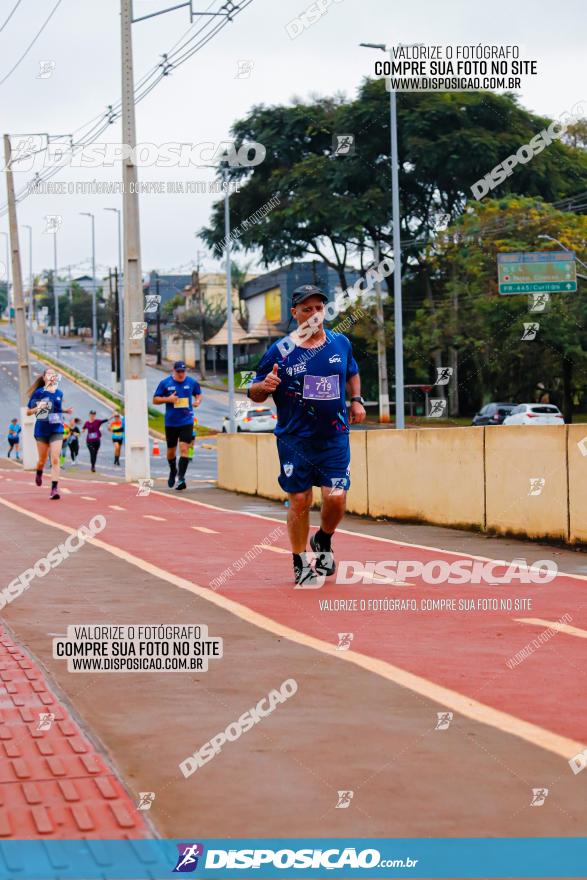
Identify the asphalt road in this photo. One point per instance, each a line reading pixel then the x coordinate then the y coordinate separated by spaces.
pixel 80 356
pixel 203 466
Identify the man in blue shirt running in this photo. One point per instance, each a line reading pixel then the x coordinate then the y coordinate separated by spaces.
pixel 307 374
pixel 180 394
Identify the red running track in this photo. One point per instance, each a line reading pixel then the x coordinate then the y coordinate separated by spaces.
pixel 465 651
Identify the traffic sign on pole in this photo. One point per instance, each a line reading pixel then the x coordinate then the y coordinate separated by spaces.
pixel 553 272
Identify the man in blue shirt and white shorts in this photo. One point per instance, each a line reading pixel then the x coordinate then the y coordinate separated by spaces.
pixel 308 374
pixel 180 394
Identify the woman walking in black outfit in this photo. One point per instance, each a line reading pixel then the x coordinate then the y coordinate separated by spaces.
pixel 93 437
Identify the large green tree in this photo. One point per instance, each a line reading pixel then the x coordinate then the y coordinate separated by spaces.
pixel 336 206
pixel 463 311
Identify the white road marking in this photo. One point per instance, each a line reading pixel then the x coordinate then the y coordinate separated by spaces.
pixel 559 627
pixel 536 736
pixel 273 549
pixel 458 554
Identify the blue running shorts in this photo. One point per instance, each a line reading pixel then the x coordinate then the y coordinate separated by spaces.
pixel 311 461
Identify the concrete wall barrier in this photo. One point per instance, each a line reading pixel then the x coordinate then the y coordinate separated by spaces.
pixel 268 468
pixel 527 481
pixel 357 500
pixel 432 475
pixel 237 462
pixel 577 463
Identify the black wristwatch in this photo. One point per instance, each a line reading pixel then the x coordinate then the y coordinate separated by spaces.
pixel 360 399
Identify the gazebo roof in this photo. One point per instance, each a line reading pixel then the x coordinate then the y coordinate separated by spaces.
pixel 265 329
pixel 221 338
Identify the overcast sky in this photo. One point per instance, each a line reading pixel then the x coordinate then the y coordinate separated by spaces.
pixel 200 101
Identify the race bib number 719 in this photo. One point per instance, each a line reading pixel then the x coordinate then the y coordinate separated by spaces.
pixel 321 387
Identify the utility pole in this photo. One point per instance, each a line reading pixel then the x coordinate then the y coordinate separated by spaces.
pixel 55 292
pixel 119 289
pixel 137 464
pixel 158 323
pixel 197 287
pixel 112 341
pixel 31 283
pixel 116 326
pixel 381 352
pixel 229 348
pixel 94 313
pixel 70 295
pixel 29 456
pixel 8 300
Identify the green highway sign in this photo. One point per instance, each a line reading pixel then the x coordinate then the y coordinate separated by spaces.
pixel 546 272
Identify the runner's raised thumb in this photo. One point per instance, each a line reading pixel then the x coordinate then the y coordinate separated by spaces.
pixel 275 369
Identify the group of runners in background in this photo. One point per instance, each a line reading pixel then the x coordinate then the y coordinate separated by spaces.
pixel 54 434
pixel 312 429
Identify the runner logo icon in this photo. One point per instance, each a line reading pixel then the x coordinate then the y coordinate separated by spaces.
pixel 146 799
pixel 444 719
pixel 539 795
pixel 288 469
pixel 187 860
pixel 335 359
pixel 46 719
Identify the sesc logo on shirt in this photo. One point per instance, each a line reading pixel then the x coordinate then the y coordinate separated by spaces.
pixel 296 369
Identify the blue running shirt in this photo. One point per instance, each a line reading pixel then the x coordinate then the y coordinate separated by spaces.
pixel 181 413
pixel 50 419
pixel 310 400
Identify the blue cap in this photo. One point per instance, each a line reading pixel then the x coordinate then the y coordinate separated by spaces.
pixel 179 365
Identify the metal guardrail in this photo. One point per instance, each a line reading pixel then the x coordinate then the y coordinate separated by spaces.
pixel 93 383
pixel 86 380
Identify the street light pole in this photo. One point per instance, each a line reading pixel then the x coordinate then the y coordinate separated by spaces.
pixel 381 353
pixel 229 348
pixel 7 274
pixel 55 293
pixel 94 315
pixel 120 294
pixel 31 281
pixel 397 270
pixel 568 250
pixel 397 257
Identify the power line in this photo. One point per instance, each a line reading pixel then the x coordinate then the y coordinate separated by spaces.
pixel 18 2
pixel 102 121
pixel 32 43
